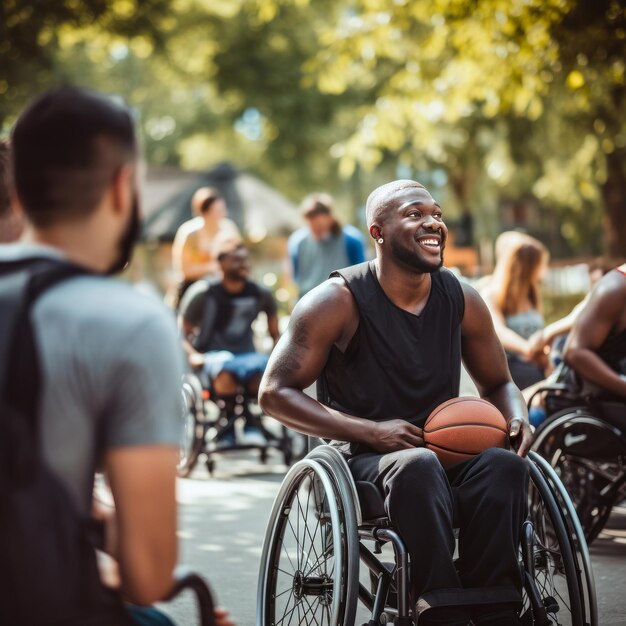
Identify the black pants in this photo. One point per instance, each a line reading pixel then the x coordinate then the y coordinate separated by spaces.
pixel 484 497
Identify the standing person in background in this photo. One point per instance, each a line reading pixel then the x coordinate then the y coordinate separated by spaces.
pixel 513 296
pixel 193 253
pixel 323 245
pixel 11 222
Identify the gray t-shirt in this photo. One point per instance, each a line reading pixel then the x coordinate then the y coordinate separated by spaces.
pixel 111 365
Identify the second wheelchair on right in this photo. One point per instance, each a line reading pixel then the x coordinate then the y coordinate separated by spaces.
pixel 584 439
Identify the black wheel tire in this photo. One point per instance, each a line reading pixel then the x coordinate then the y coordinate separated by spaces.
pixel 552 582
pixel 325 556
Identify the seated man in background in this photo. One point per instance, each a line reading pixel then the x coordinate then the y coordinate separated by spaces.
pixel 596 347
pixel 216 318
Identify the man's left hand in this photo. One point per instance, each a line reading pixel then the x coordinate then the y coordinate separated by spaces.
pixel 520 435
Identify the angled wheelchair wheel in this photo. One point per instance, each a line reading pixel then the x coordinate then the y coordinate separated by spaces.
pixel 588 455
pixel 192 431
pixel 552 591
pixel 309 565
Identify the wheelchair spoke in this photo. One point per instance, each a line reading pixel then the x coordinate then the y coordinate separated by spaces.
pixel 295 569
pixel 290 613
pixel 307 532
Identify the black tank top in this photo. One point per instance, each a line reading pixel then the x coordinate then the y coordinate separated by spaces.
pixel 397 365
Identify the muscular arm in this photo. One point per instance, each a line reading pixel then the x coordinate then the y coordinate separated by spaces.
pixel 325 317
pixel 600 316
pixel 486 363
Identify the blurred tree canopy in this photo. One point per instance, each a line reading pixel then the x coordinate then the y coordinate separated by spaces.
pixel 495 103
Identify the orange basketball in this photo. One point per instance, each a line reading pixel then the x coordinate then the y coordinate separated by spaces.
pixel 462 428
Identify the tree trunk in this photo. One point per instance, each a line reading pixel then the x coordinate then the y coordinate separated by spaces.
pixel 614 196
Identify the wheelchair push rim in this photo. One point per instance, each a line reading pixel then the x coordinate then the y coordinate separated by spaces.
pixel 552 585
pixel 304 566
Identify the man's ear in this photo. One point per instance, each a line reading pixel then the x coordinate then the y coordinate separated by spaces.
pixel 122 188
pixel 375 231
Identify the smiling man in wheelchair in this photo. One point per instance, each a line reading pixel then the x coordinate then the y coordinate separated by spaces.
pixel 216 319
pixel 386 339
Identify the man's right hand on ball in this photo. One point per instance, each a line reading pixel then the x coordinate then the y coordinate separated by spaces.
pixel 396 434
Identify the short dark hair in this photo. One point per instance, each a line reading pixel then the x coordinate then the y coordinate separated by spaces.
pixel 5 177
pixel 67 146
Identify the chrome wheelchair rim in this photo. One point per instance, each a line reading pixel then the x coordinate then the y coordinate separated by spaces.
pixel 188 431
pixel 577 539
pixel 302 568
pixel 554 569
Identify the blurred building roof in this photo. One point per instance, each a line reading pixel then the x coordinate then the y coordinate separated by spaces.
pixel 257 208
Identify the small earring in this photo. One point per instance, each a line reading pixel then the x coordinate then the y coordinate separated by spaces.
pixel 380 240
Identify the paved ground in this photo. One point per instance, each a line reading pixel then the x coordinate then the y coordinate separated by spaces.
pixel 223 521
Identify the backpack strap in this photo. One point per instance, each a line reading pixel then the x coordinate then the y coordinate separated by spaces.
pixel 21 283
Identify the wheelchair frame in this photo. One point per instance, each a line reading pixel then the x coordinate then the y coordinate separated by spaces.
pixel 316 588
pixel 202 427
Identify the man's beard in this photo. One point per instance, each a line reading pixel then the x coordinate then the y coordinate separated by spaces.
pixel 413 260
pixel 128 240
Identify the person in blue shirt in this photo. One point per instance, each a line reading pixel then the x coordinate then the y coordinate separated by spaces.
pixel 323 245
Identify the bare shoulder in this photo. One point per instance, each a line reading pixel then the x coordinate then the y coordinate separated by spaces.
pixel 611 285
pixel 608 297
pixel 474 299
pixel 328 310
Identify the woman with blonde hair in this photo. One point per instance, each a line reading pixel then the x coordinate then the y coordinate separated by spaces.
pixel 513 296
pixel 193 251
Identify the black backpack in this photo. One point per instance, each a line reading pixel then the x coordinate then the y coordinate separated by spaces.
pixel 48 572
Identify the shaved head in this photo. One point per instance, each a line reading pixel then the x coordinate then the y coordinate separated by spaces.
pixel 381 199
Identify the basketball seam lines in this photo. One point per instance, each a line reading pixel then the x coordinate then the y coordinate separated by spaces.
pixel 455 401
pixel 434 445
pixel 434 430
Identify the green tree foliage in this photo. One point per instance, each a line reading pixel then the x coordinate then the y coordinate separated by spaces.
pixel 30 34
pixel 502 99
pixel 456 81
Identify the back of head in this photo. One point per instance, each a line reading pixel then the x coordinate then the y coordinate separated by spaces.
pixel 67 147
pixel 203 199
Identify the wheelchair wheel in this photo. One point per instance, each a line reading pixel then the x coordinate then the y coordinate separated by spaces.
pixel 587 454
pixel 552 592
pixel 192 432
pixel 580 549
pixel 309 565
